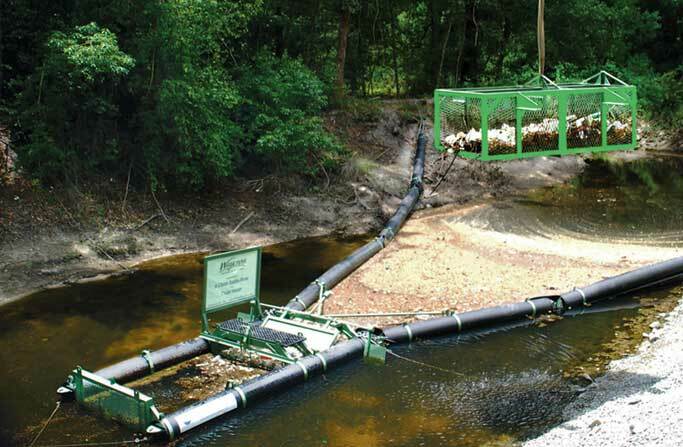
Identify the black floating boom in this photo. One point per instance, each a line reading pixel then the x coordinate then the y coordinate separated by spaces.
pixel 341 270
pixel 264 386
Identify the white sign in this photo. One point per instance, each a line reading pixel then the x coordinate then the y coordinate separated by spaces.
pixel 231 278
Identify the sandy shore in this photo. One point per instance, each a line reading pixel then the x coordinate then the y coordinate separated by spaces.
pixel 438 262
pixel 638 402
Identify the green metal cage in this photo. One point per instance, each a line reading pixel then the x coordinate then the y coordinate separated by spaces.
pixel 541 119
pixel 128 406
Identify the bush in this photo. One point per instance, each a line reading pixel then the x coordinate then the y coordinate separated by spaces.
pixel 68 112
pixel 282 101
pixel 204 141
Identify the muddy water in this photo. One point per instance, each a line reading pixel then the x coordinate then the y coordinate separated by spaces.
pixel 45 335
pixel 496 388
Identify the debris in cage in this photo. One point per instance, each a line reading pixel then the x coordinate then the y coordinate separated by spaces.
pixel 581 132
pixel 619 133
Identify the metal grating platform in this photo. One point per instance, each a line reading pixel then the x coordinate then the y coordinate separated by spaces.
pixel 261 333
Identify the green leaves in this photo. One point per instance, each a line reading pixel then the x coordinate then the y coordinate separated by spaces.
pixel 195 112
pixel 191 91
pixel 89 53
pixel 68 111
pixel 282 101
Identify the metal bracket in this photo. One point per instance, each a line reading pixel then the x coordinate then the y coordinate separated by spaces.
pixel 148 357
pixel 583 296
pixel 296 299
pixel 322 295
pixel 374 350
pixel 387 234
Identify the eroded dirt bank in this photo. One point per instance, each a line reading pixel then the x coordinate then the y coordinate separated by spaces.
pixel 48 239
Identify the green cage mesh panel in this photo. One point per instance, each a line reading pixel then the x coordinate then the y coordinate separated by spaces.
pixel 583 120
pixel 501 133
pixel 540 127
pixel 619 122
pixel 112 403
pixel 459 116
pixel 524 121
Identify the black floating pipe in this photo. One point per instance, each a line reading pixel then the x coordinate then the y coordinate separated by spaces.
pixel 335 274
pixel 626 282
pixel 260 387
pixel 290 375
pixel 151 361
pixel 257 389
pixel 339 271
pixel 475 319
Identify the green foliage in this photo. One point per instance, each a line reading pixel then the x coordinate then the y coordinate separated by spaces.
pixel 362 110
pixel 191 92
pixel 282 103
pixel 664 98
pixel 195 114
pixel 195 140
pixel 88 54
pixel 67 111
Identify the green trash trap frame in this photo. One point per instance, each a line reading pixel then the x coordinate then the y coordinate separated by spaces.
pixel 540 118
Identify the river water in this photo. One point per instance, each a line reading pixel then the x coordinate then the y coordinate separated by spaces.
pixel 490 389
pixel 636 202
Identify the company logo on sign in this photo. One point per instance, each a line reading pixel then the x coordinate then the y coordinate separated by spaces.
pixel 230 266
pixel 231 278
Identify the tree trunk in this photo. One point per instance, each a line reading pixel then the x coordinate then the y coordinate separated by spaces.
pixel 434 11
pixel 344 22
pixel 394 52
pixel 443 53
pixel 503 46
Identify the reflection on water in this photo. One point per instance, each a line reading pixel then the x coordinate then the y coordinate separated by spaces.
pixel 638 202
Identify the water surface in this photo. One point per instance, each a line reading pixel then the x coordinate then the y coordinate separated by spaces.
pixel 638 202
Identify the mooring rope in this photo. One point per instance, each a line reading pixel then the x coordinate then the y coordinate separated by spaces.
pixel 455 155
pixel 426 365
pixel 46 423
pixel 84 444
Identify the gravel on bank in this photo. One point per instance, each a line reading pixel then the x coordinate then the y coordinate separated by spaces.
pixel 638 402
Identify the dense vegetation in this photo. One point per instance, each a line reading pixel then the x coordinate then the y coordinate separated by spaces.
pixel 186 93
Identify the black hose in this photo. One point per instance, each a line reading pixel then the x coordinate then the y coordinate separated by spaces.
pixel 137 367
pixel 626 282
pixel 149 362
pixel 341 270
pixel 335 274
pixel 257 389
pixel 474 319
